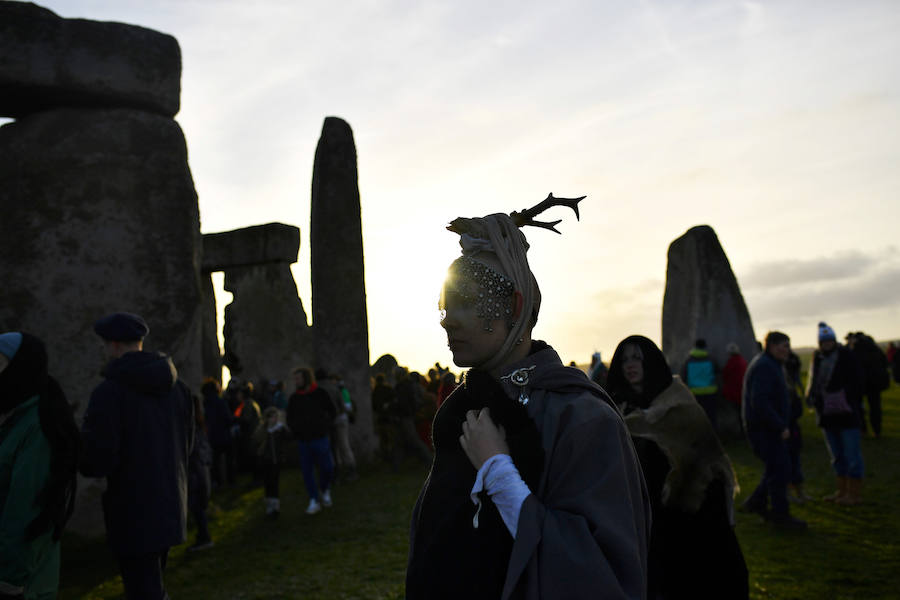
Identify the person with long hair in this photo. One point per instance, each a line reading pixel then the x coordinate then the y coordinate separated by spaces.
pixel 39 447
pixel 694 552
pixel 534 490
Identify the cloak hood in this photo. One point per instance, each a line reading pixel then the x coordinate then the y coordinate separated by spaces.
pixel 657 373
pixel 146 372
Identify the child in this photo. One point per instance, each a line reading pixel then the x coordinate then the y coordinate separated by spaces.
pixel 199 485
pixel 268 440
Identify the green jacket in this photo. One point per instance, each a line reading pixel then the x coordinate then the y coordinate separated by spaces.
pixel 24 470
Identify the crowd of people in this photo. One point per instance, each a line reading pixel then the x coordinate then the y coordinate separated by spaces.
pixel 544 481
pixel 162 450
pixel 404 404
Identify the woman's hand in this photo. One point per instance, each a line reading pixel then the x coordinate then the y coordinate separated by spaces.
pixel 481 438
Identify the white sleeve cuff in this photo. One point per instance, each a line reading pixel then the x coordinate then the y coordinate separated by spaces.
pixel 499 477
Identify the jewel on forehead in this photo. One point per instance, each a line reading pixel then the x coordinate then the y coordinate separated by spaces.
pixel 494 289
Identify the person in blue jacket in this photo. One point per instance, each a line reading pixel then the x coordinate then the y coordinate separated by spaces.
pixel 138 433
pixel 767 416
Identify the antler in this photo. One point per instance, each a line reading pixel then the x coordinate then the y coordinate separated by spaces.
pixel 526 217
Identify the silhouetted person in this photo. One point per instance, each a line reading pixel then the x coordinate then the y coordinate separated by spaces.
pixel 835 388
pixel 138 433
pixel 535 490
pixel 700 375
pixel 598 371
pixel 38 455
pixel 199 480
pixel 409 394
pixel 310 414
pixel 733 376
pixel 876 378
pixel 219 423
pixel 767 415
pixel 795 441
pixel 387 420
pixel 267 441
pixel 694 552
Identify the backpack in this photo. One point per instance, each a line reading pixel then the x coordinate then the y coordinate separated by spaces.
pixel 346 403
pixel 701 376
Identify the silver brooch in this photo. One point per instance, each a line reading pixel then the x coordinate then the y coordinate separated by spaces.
pixel 520 377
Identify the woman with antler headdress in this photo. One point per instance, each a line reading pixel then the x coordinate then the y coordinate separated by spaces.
pixel 535 490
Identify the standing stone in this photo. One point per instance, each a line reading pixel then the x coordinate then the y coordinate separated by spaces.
pixel 340 323
pixel 50 62
pixel 99 215
pixel 703 300
pixel 266 331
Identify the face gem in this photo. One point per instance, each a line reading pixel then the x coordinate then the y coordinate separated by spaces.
pixel 470 281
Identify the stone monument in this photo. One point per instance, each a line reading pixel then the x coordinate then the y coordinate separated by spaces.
pixel 703 300
pixel 340 322
pixel 98 204
pixel 266 331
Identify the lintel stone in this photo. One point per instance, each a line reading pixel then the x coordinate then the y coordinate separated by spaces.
pixel 260 244
pixel 49 62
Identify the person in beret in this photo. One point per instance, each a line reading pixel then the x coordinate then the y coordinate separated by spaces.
pixel 138 433
pixel 122 327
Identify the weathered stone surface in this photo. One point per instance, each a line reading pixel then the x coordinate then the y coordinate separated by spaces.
pixel 266 333
pixel 340 322
pixel 99 215
pixel 270 243
pixel 50 62
pixel 703 300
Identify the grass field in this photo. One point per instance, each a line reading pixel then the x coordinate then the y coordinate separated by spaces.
pixel 357 549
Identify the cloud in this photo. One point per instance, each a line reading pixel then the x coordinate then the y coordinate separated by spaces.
pixel 792 272
pixel 851 282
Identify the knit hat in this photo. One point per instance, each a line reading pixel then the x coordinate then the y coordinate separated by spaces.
pixel 9 343
pixel 826 333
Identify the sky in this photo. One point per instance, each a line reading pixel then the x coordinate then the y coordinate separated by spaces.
pixel 776 123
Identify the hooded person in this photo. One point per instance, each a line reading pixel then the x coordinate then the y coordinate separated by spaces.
pixel 694 552
pixel 532 460
pixel 137 432
pixel 38 457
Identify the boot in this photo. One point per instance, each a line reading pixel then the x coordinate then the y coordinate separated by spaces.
pixel 854 493
pixel 841 491
pixel 797 495
pixel 802 496
pixel 788 523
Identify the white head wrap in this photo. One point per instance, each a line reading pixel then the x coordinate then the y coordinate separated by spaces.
pixel 499 236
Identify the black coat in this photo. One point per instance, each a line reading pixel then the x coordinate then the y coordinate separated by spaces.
pixel 443 523
pixel 310 414
pixel 692 555
pixel 199 479
pixel 847 376
pixel 138 433
pixel 218 421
